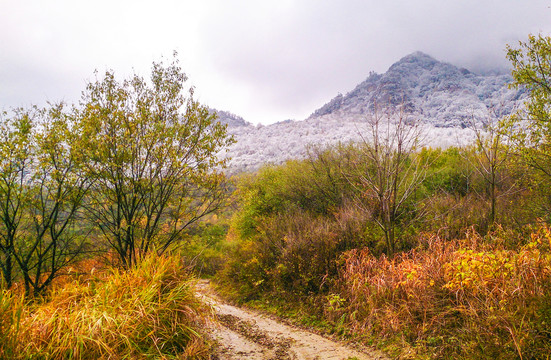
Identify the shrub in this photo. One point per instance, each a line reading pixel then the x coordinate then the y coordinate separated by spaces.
pixel 204 252
pixel 294 254
pixel 465 299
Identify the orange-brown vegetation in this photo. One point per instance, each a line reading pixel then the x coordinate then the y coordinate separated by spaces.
pixel 149 311
pixel 470 298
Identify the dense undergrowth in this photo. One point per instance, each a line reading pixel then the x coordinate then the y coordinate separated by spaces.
pixel 458 285
pixel 147 312
pixel 473 298
pixel 470 298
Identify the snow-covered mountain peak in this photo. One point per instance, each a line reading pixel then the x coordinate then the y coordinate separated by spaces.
pixel 444 98
pixel 230 119
pixel 417 59
pixel 436 92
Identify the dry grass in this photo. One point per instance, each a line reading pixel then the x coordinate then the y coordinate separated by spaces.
pixel 147 312
pixel 467 299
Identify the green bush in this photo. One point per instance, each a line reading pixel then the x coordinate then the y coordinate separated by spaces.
pixel 205 250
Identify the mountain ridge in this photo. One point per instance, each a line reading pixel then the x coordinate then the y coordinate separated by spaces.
pixel 430 89
pixel 444 98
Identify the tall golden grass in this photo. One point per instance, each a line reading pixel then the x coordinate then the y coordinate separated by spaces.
pixel 468 299
pixel 149 311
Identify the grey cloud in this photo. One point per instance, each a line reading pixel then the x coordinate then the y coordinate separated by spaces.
pixel 305 54
pixel 263 60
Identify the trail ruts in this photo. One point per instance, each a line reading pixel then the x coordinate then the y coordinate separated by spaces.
pixel 245 334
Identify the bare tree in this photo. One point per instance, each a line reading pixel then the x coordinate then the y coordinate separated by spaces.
pixel 492 151
pixel 390 170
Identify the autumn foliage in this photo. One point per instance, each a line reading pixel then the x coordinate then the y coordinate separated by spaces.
pixel 470 298
pixel 149 311
pixel 458 285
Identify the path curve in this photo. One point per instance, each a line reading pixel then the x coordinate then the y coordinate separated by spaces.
pixel 247 335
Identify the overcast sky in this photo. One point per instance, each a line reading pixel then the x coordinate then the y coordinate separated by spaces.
pixel 264 60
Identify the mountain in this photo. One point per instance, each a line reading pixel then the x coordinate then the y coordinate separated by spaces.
pixel 227 118
pixel 438 93
pixel 442 97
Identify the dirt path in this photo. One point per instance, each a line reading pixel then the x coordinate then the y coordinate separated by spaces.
pixel 244 334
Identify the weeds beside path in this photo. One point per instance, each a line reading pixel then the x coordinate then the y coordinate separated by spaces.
pixel 245 334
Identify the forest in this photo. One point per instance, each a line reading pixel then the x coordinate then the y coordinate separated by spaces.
pixel 110 209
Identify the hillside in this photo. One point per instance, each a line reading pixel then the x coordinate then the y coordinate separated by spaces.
pixel 441 96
